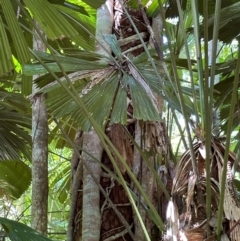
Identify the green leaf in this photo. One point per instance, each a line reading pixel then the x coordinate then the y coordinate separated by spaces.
pixel 237 184
pixel 229 22
pixel 99 102
pixel 111 40
pixel 119 112
pixel 19 41
pixel 52 22
pixel 14 121
pixel 69 64
pixel 77 8
pixel 95 4
pixel 18 175
pixel 21 232
pixel 64 190
pixel 70 129
pixel 59 102
pixel 85 25
pixel 26 86
pixel 5 53
pixel 143 108
pixel 60 180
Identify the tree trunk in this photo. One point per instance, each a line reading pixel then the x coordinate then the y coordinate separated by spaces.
pixel 39 154
pixel 150 136
pixel 87 221
pixel 100 221
pixel 91 218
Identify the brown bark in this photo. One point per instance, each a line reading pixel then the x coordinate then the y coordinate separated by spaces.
pixel 150 136
pixel 112 227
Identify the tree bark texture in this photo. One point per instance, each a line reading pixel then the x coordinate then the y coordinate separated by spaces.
pixel 112 227
pixel 96 214
pixel 91 200
pixel 39 166
pixel 150 136
pixel 39 154
pixel 91 217
pixel 87 221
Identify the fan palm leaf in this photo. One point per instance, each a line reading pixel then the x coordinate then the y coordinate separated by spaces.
pixel 100 86
pixel 229 17
pixel 69 21
pixel 14 123
pixel 21 232
pixel 17 182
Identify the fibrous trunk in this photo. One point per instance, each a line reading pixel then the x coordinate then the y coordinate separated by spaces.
pixel 150 136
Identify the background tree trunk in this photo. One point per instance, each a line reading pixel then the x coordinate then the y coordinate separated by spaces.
pixel 39 153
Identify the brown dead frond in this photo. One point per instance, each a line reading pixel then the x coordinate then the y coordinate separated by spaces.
pixel 189 193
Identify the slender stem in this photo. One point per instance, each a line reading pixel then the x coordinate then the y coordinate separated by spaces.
pixel 181 22
pixel 208 109
pixel 181 98
pixel 199 59
pixel 229 129
pixel 180 129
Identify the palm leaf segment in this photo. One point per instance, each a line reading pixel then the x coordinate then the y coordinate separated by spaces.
pixel 70 21
pixel 14 184
pixel 20 232
pixel 108 88
pixel 14 144
pixel 14 121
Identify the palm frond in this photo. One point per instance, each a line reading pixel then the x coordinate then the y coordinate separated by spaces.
pixel 21 232
pixel 85 25
pixel 7 65
pixel 229 18
pixel 17 175
pixel 60 181
pixel 14 123
pixel 43 12
pixel 19 42
pixel 69 64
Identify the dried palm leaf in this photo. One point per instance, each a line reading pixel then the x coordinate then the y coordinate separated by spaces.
pixel 189 191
